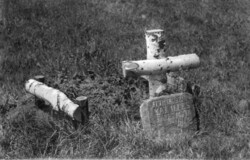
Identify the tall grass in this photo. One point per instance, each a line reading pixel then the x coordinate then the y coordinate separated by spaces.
pixel 79 46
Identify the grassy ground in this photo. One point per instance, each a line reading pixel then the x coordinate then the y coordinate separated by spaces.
pixel 79 46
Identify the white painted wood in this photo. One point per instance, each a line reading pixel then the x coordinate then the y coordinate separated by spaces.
pixel 155 44
pixel 157 68
pixel 57 99
pixel 161 66
pixel 155 50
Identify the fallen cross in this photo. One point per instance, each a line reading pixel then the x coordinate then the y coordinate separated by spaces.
pixel 58 100
pixel 165 115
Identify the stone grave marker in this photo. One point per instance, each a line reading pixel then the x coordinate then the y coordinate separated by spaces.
pixel 169 110
pixel 168 114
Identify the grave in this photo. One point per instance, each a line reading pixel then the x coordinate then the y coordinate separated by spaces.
pixel 168 114
pixel 169 109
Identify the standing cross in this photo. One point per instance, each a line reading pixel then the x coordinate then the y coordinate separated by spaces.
pixel 162 115
pixel 157 67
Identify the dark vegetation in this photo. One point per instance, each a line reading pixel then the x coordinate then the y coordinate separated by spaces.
pixel 79 45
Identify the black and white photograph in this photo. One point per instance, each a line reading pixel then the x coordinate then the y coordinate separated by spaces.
pixel 124 79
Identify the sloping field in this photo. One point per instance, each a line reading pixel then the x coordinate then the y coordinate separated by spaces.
pixel 78 45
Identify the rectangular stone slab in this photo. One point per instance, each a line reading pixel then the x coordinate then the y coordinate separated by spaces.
pixel 168 114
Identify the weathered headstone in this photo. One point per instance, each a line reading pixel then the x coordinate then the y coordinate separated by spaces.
pixel 169 110
pixel 168 114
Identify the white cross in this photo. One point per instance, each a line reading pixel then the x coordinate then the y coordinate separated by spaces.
pixel 157 66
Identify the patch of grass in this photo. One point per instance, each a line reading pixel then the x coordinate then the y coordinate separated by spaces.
pixel 79 46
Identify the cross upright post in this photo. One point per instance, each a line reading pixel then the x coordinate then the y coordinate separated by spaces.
pixel 155 50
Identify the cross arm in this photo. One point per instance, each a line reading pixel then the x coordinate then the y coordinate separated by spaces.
pixel 160 66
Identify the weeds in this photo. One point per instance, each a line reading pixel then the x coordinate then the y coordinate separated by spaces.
pixel 79 46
